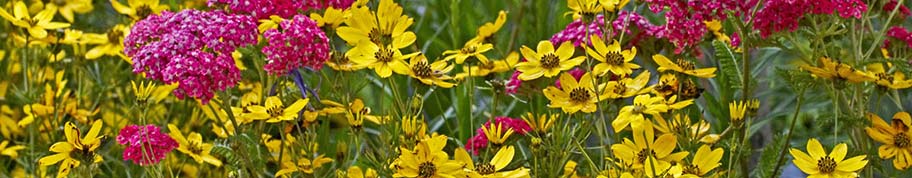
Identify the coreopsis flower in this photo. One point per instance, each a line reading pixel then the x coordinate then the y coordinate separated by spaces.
pixel 613 5
pixel 895 138
pixel 427 159
pixel 9 149
pixel 646 152
pixel 384 60
pixel 633 115
pixel 494 66
pixel 357 172
pixel 487 131
pixel 883 79
pixel 414 129
pixel 139 9
pixel 497 134
pixel 298 43
pixel 683 66
pixel 67 8
pixel 585 9
pixel 667 86
pixel 36 26
pixel 332 17
pixel 193 146
pixel 542 124
pixel 192 48
pixel 486 31
pixel 71 153
pixel 110 44
pixel 612 58
pixel 628 87
pixel 683 127
pixel 705 160
pixel 471 49
pixel 33 111
pixel 737 110
pixel 493 168
pixel 434 74
pixel 385 27
pixel 277 111
pixel 303 164
pixel 835 70
pixel 145 144
pixel 816 162
pixel 341 62
pixel 357 113
pixel 573 95
pixel 546 61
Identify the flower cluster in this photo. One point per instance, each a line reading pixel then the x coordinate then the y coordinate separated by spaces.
pixel 684 19
pixel 900 33
pixel 145 144
pixel 262 9
pixel 299 43
pixel 480 140
pixel 577 31
pixel 192 48
pixel 779 15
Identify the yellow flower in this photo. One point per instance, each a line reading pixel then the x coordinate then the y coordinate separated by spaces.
pixel 110 44
pixel 541 124
pixel 497 134
pixel 648 152
pixel 194 146
pixel 613 5
pixel 332 17
pixel 894 137
pixel 494 66
pixel 587 9
pixel 705 160
pixel 357 113
pixel 69 153
pixel 8 126
pixel 470 49
pixel 547 62
pixel 683 66
pixel 573 96
pixel 430 73
pixel 427 160
pixel 685 129
pixel 33 111
pixel 737 110
pixel 884 79
pixel 271 23
pixel 356 172
pixel 611 57
pixel 667 86
pixel 632 115
pixel 816 162
pixel 627 87
pixel 10 150
pixel 341 62
pixel 245 113
pixel 277 111
pixel 384 60
pixel 836 70
pixel 138 9
pixel 38 25
pixel 492 169
pixel 385 27
pixel 486 31
pixel 303 165
pixel 413 129
pixel 66 8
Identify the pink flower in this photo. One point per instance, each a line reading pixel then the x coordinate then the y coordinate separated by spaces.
pixel 299 43
pixel 192 48
pixel 576 31
pixel 684 19
pixel 514 83
pixel 145 144
pixel 480 141
pixel 779 15
pixel 262 9
pixel 903 10
pixel 900 33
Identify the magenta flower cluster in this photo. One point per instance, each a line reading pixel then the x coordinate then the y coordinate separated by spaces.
pixel 684 19
pixel 146 145
pixel 780 15
pixel 480 141
pixel 578 30
pixel 299 42
pixel 901 34
pixel 262 9
pixel 192 48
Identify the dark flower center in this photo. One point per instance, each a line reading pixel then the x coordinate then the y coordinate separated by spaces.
pixel 143 11
pixel 378 37
pixel 643 154
pixel 194 146
pixel 691 169
pixel 384 55
pixel 422 69
pixel 901 140
pixel 550 61
pixel 579 95
pixel 468 50
pixel 275 111
pixel 484 168
pixel 686 65
pixel 826 165
pixel 115 36
pixel 638 108
pixel 614 58
pixel 426 169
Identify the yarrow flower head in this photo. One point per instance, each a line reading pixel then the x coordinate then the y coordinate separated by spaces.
pixel 145 144
pixel 192 48
pixel 779 15
pixel 300 42
pixel 576 31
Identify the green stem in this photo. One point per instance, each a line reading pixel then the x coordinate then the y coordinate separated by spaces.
pixel 788 135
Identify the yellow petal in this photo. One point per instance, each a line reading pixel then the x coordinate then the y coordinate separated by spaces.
pixel 502 158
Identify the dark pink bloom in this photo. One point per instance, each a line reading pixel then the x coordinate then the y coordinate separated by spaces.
pixel 684 18
pixel 903 10
pixel 900 33
pixel 480 141
pixel 514 83
pixel 300 42
pixel 780 15
pixel 145 144
pixel 262 9
pixel 576 31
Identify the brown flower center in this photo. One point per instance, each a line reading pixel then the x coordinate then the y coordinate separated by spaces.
pixel 550 61
pixel 468 50
pixel 643 154
pixel 384 55
pixel 638 108
pixel 194 146
pixel 901 140
pixel 686 65
pixel 826 165
pixel 691 169
pixel 422 69
pixel 426 169
pixel 579 95
pixel 143 11
pixel 115 36
pixel 614 58
pixel 484 168
pixel 378 37
pixel 275 111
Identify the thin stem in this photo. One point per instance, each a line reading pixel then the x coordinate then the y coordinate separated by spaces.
pixel 788 134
